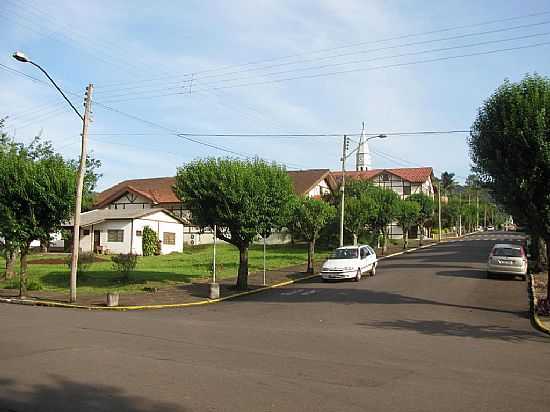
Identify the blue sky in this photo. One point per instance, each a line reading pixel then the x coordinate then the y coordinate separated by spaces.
pixel 223 67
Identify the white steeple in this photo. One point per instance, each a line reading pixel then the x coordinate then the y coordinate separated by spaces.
pixel 363 160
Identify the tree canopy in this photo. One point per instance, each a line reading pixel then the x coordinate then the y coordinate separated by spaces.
pixel 243 198
pixel 426 205
pixel 306 219
pixel 406 215
pixel 510 150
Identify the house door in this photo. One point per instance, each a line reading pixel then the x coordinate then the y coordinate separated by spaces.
pixel 97 240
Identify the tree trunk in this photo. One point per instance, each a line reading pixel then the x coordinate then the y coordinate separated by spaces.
pixel 11 259
pixel 23 273
pixel 536 249
pixel 310 254
pixel 548 269
pixel 421 234
pixel 355 239
pixel 405 239
pixel 242 278
pixel 385 240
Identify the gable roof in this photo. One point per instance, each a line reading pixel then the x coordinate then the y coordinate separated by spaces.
pixel 101 215
pixel 305 180
pixel 410 174
pixel 158 190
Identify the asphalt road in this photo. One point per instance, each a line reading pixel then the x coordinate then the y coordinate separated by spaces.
pixel 428 333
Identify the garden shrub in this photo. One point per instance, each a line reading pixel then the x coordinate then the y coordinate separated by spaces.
pixel 150 242
pixel 125 263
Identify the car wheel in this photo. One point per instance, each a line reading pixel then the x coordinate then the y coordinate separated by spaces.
pixel 373 270
pixel 489 275
pixel 324 280
pixel 524 277
pixel 358 275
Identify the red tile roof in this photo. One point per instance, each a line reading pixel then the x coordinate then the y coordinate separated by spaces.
pixel 305 180
pixel 159 190
pixel 410 174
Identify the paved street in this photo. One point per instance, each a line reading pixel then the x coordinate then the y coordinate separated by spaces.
pixel 428 333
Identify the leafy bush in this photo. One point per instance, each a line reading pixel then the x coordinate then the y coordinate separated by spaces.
pixel 150 242
pixel 85 260
pixel 124 263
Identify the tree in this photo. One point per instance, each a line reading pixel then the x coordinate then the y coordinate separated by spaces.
pixel 307 217
pixel 510 151
pixel 447 182
pixel 359 207
pixel 36 196
pixel 426 204
pixel 242 198
pixel 149 242
pixel 385 201
pixel 406 215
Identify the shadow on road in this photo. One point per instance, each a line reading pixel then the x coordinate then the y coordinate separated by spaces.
pixel 352 296
pixel 445 328
pixel 67 395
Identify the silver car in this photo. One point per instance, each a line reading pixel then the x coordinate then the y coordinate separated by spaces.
pixel 507 259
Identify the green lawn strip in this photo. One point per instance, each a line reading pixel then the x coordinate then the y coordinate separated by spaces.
pixel 161 271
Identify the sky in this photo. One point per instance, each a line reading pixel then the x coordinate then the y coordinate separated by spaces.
pixel 162 69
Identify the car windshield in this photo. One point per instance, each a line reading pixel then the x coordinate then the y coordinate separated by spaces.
pixel 344 254
pixel 507 252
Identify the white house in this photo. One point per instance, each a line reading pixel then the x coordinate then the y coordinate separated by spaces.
pixel 120 231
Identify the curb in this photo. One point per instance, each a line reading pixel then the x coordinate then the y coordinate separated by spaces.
pixel 535 320
pixel 49 303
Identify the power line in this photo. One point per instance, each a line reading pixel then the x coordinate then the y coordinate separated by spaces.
pixel 355 70
pixel 200 79
pixel 349 45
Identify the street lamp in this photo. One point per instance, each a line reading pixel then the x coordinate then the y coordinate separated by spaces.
pixel 21 57
pixel 345 155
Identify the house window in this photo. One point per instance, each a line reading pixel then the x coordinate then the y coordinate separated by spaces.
pixel 115 235
pixel 385 177
pixel 406 190
pixel 139 233
pixel 169 238
pixel 85 232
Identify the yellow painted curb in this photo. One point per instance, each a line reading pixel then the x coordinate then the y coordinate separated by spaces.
pixel 49 303
pixel 532 308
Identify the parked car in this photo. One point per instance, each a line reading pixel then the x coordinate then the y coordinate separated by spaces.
pixel 507 259
pixel 350 262
pixel 490 228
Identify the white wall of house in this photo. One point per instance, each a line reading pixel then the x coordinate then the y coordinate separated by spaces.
pixel 87 236
pixel 321 189
pixel 161 223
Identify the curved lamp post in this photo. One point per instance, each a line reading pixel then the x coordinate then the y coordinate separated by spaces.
pixel 21 57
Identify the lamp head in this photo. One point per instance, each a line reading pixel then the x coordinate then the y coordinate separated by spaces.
pixel 382 136
pixel 20 56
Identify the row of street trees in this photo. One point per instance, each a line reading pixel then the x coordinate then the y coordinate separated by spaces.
pixel 247 199
pixel 510 151
pixel 37 194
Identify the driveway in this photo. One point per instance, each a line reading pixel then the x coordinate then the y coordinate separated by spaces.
pixel 428 333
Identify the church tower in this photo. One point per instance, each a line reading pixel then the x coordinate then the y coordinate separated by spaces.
pixel 363 160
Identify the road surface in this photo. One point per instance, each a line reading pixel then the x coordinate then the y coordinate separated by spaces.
pixel 428 333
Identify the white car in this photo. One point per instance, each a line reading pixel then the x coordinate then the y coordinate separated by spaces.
pixel 350 262
pixel 507 259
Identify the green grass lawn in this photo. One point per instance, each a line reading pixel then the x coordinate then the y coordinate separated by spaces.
pixel 158 271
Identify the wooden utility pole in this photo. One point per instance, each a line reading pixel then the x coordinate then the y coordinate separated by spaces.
pixel 79 188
